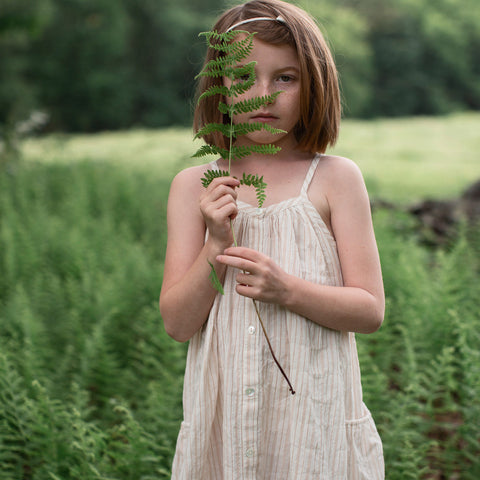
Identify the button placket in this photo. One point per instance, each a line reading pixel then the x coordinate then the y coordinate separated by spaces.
pixel 249 396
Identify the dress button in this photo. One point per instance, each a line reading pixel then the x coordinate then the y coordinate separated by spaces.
pixel 249 392
pixel 249 452
pixel 251 329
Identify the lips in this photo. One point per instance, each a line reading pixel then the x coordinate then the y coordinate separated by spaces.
pixel 264 117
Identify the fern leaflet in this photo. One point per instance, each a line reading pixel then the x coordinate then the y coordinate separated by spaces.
pixel 214 279
pixel 210 175
pixel 259 185
pixel 248 105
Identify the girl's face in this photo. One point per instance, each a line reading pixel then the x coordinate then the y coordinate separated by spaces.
pixel 277 69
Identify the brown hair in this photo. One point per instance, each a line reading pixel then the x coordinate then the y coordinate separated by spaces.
pixel 319 95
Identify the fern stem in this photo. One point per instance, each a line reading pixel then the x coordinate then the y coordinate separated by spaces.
pixel 230 148
pixel 249 105
pixel 292 391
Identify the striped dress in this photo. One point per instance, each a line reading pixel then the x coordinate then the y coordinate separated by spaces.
pixel 240 420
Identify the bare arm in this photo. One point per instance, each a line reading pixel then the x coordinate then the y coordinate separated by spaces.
pixel 187 296
pixel 358 305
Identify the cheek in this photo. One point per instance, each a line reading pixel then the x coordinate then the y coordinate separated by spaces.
pixel 291 103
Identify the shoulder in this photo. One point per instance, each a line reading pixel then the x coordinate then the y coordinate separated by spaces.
pixel 185 191
pixel 189 177
pixel 337 186
pixel 188 181
pixel 339 169
pixel 339 177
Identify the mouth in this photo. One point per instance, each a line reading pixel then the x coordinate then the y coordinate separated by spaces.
pixel 263 117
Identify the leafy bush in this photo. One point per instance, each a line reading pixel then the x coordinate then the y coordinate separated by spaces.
pixel 90 385
pixel 89 380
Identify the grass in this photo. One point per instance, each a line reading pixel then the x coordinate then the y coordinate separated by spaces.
pixel 90 384
pixel 403 160
pixel 408 159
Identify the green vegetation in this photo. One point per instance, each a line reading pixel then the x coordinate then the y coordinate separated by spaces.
pixel 112 64
pixel 403 160
pixel 90 384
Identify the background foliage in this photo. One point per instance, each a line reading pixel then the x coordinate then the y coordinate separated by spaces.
pixel 108 64
pixel 90 384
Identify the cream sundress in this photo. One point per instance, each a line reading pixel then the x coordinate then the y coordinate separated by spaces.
pixel 240 420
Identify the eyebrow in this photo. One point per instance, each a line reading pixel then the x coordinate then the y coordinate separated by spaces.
pixel 288 67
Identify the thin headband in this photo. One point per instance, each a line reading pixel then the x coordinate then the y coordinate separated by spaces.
pixel 256 19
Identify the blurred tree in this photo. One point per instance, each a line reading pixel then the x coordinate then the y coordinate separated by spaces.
pixel 80 65
pixel 109 64
pixel 112 64
pixel 21 21
pixel 346 33
pixel 164 55
pixel 450 31
pixel 425 54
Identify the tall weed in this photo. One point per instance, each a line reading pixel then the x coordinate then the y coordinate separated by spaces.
pixel 90 384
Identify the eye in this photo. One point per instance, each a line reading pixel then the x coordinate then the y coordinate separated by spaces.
pixel 285 78
pixel 243 78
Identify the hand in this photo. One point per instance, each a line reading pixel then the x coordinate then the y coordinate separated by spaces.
pixel 260 277
pixel 219 207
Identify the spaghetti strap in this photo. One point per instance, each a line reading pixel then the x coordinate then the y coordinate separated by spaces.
pixel 310 173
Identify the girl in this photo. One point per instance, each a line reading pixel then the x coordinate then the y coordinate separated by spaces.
pixel 309 258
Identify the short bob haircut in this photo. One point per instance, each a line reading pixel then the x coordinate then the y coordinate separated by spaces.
pixel 320 107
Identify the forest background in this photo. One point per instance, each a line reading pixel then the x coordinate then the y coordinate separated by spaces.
pixel 107 64
pixel 95 105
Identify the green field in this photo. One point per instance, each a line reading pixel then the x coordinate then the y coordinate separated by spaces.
pixel 402 159
pixel 90 384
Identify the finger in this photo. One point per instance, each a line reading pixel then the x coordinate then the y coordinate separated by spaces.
pixel 246 291
pixel 246 253
pixel 224 201
pixel 229 182
pixel 221 214
pixel 237 262
pixel 211 206
pixel 219 192
pixel 245 279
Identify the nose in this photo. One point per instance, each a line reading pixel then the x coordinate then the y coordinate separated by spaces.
pixel 262 88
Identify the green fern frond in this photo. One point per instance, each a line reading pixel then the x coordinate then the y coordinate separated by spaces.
pixel 249 180
pixel 240 129
pixel 217 64
pixel 241 49
pixel 252 104
pixel 215 281
pixel 215 90
pixel 242 151
pixel 259 185
pixel 236 130
pixel 215 71
pixel 223 66
pixel 223 42
pixel 206 150
pixel 210 175
pixel 212 36
pixel 213 127
pixel 240 71
pixel 241 87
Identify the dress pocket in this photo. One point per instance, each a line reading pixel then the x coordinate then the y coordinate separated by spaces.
pixel 365 452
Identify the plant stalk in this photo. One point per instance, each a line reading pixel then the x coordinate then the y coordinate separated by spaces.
pixel 236 245
pixel 292 391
